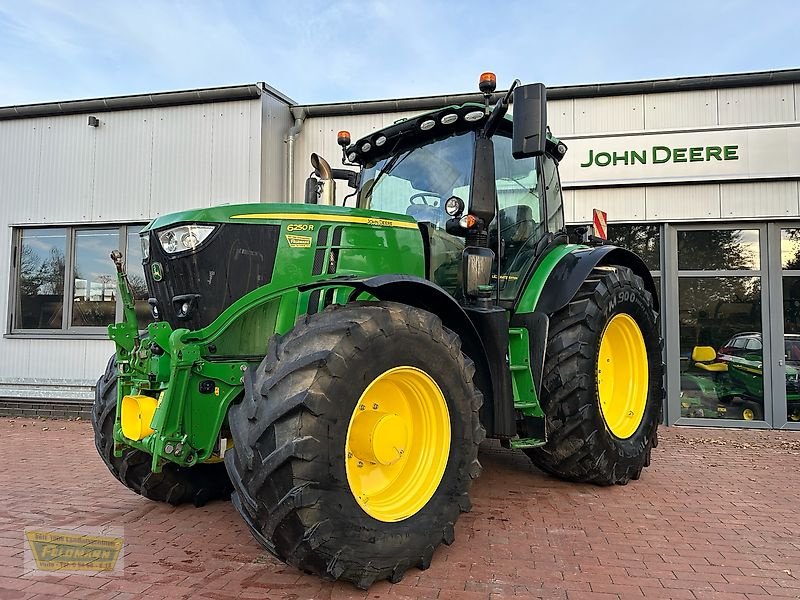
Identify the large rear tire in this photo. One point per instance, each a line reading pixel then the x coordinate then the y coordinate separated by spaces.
pixel 174 485
pixel 356 442
pixel 602 389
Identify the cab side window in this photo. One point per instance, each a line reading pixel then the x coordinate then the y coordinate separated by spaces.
pixel 553 196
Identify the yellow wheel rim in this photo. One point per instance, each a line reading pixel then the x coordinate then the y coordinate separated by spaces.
pixel 748 414
pixel 622 375
pixel 397 444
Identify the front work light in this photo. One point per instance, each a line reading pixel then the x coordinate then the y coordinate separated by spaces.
pixel 454 206
pixel 184 237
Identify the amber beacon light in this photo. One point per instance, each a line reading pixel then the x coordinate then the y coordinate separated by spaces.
pixel 487 83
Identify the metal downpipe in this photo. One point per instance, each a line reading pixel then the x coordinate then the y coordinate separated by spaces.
pixel 294 131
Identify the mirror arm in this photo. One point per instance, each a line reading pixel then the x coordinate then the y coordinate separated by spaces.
pixel 347 175
pixel 499 111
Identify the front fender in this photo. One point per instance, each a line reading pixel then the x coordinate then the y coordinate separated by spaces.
pixel 421 293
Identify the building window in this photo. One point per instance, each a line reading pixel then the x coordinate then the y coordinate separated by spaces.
pixel 64 281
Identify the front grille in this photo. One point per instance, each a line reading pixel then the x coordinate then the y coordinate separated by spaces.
pixel 235 260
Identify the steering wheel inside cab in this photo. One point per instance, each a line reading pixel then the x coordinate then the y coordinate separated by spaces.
pixel 426 207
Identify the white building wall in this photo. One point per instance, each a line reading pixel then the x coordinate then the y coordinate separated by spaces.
pixel 275 123
pixel 136 165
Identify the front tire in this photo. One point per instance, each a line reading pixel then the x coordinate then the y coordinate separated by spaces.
pixel 174 485
pixel 602 390
pixel 344 393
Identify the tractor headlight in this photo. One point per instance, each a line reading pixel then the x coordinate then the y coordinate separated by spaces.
pixel 184 237
pixel 144 241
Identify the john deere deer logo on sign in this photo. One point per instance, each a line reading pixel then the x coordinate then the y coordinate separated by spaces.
pixel 157 270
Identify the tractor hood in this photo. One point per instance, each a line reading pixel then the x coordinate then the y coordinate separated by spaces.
pixel 198 263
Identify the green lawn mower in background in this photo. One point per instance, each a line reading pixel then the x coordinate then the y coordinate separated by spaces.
pixel 725 386
pixel 336 367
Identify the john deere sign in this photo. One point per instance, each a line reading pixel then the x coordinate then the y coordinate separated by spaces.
pixel 660 154
pixel 686 156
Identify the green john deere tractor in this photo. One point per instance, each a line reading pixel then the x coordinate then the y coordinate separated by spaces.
pixel 336 367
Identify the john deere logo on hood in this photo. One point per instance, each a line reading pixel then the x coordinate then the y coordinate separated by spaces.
pixel 157 270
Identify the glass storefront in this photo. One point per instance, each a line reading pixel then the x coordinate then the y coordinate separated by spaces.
pixel 790 300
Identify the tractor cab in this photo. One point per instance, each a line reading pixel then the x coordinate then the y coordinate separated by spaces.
pixel 469 183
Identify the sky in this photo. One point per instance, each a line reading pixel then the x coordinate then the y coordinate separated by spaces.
pixel 330 51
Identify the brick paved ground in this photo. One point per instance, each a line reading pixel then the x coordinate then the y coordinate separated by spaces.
pixel 715 517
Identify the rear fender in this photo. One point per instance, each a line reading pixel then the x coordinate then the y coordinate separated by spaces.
pixel 572 270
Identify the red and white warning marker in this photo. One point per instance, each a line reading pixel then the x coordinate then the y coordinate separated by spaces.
pixel 600 224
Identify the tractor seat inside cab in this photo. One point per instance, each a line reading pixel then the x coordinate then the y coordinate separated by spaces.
pixel 705 358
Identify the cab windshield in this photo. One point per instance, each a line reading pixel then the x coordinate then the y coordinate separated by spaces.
pixel 418 181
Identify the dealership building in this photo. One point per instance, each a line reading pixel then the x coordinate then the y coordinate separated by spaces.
pixel 699 175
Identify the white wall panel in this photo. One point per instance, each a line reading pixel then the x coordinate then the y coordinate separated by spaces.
pixel 561 117
pixel 760 199
pixel 616 113
pixel 230 153
pixel 621 203
pixel 275 123
pixel 16 358
pixel 682 202
pixel 569 205
pixel 181 159
pixel 123 166
pixel 797 101
pixel 674 110
pixel 67 170
pixel 20 161
pixel 768 104
pixel 97 353
pixel 57 359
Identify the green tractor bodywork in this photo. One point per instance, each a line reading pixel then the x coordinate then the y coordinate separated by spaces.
pixel 457 241
pixel 196 374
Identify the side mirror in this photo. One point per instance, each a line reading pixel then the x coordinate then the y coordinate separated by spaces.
pixel 530 120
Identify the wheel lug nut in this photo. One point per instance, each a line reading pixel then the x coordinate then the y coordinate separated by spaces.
pixel 360 464
pixel 362 407
pixel 375 406
pixel 349 455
